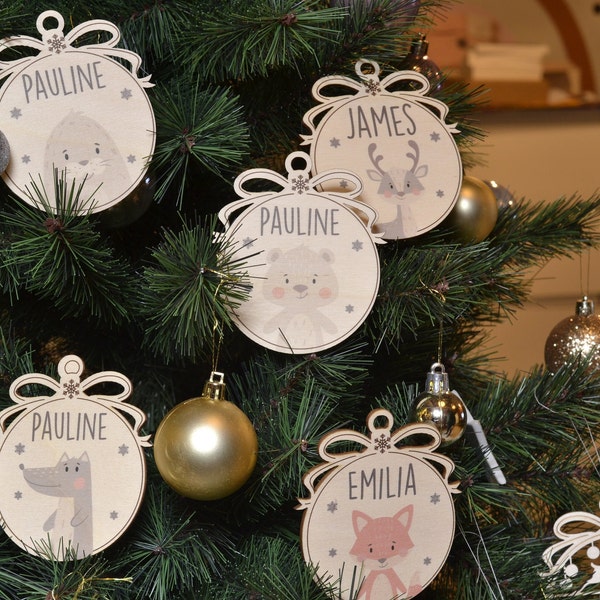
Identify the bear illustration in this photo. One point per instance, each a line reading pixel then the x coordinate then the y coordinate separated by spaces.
pixel 70 480
pixel 300 281
pixel 82 149
pixel 381 544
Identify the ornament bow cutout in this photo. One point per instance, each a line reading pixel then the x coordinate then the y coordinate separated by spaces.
pixel 71 386
pixel 299 182
pixel 54 41
pixel 370 85
pixel 576 530
pixel 380 441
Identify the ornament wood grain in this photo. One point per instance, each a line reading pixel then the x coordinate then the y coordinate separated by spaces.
pixel 395 138
pixel 379 522
pixel 75 109
pixel 72 463
pixel 310 256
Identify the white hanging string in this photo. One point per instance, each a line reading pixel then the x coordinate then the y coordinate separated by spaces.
pixel 475 553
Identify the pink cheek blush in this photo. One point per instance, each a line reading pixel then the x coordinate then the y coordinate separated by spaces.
pixel 79 483
pixel 278 292
pixel 325 293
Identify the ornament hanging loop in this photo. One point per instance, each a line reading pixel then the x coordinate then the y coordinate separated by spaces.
pixel 363 62
pixel 50 14
pixel 584 307
pixel 214 388
pixel 436 380
pixel 296 157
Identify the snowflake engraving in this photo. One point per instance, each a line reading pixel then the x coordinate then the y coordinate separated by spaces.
pixel 382 443
pixel 299 184
pixel 56 43
pixel 71 388
pixel 372 87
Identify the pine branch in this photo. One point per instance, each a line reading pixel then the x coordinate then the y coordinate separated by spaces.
pixel 42 577
pixel 152 29
pixel 171 553
pixel 15 357
pixel 540 231
pixel 199 125
pixel 272 569
pixel 60 256
pixel 263 37
pixel 432 284
pixel 188 292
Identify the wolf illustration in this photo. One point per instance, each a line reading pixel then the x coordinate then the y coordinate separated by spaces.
pixel 381 544
pixel 70 480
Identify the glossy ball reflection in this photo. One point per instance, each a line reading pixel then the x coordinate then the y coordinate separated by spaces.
pixel 445 411
pixel 574 337
pixel 205 448
pixel 475 213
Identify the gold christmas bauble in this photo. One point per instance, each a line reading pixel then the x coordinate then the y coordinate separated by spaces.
pixel 575 336
pixel 475 213
pixel 440 407
pixel 205 448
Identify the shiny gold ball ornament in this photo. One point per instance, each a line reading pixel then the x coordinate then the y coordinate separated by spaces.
pixel 575 336
pixel 440 407
pixel 205 448
pixel 475 212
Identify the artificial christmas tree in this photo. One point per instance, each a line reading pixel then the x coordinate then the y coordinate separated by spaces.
pixel 153 294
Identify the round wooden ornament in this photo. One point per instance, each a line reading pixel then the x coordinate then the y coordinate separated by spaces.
pixel 314 266
pixel 379 522
pixel 72 110
pixel 395 140
pixel 72 464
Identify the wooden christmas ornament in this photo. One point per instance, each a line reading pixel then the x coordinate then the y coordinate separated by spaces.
pixel 73 109
pixel 395 139
pixel 379 522
pixel 312 261
pixel 572 570
pixel 72 463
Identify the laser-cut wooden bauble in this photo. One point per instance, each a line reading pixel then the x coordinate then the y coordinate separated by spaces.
pixel 396 141
pixel 311 260
pixel 74 109
pixel 72 464
pixel 572 561
pixel 379 521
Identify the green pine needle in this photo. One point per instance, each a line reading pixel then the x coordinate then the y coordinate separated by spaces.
pixel 196 125
pixel 61 257
pixel 189 290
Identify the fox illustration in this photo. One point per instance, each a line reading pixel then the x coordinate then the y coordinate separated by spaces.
pixel 70 480
pixel 381 544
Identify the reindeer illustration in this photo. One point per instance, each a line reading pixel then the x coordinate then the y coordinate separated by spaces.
pixel 399 183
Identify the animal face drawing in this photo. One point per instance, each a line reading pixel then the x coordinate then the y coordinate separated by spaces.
pixel 397 182
pixel 381 544
pixel 301 277
pixel 301 281
pixel 70 480
pixel 82 149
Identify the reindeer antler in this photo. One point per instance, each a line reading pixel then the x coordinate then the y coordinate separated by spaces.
pixel 375 160
pixel 415 156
